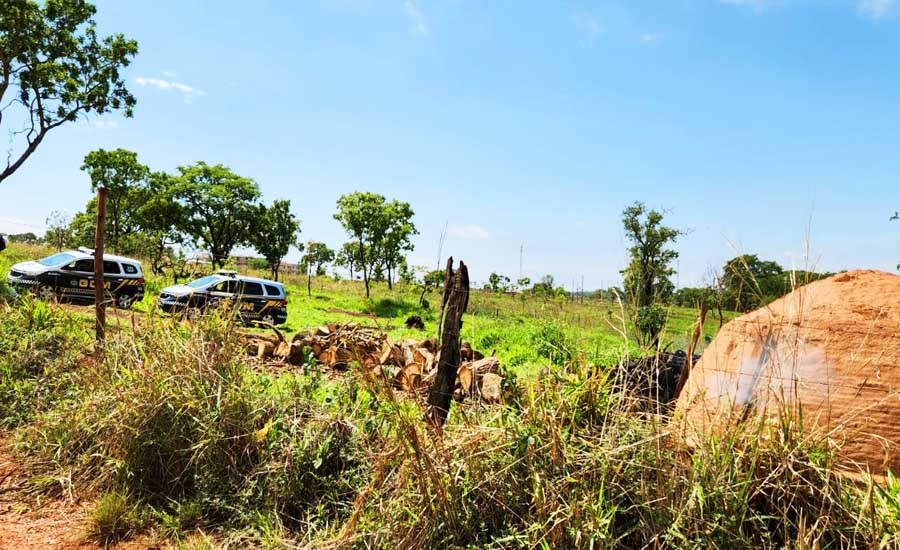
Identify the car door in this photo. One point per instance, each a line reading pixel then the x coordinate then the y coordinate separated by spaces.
pixel 253 300
pixel 114 278
pixel 223 292
pixel 76 279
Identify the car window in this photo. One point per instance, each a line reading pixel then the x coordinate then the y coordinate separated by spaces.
pixel 129 269
pixel 56 259
pixel 272 290
pixel 202 282
pixel 86 266
pixel 226 286
pixel 111 268
pixel 253 289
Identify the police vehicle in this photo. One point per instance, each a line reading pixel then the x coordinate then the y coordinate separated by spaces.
pixel 253 299
pixel 69 275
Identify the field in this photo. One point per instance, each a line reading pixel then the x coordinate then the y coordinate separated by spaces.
pixel 173 437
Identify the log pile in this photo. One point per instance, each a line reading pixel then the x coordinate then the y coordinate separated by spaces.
pixel 410 364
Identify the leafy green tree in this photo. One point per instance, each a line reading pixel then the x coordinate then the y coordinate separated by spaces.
pixel 55 69
pixel 221 208
pixel 348 256
pixel 24 238
pixel 124 178
pixel 316 257
pixel 430 281
pixel 498 283
pixel 278 229
pixel 523 283
pixel 365 219
pixel 162 220
pixel 544 287
pixel 58 232
pixel 397 237
pixel 647 278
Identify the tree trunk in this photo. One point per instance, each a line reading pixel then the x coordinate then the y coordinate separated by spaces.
pixel 389 274
pixel 308 281
pixel 453 305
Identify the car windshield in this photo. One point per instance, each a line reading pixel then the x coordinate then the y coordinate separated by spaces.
pixel 56 259
pixel 200 283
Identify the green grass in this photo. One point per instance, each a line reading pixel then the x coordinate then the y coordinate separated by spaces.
pixel 176 432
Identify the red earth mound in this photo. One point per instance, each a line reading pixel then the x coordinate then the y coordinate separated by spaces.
pixel 832 346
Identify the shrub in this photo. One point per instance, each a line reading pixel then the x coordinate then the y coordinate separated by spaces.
pixel 650 322
pixel 112 519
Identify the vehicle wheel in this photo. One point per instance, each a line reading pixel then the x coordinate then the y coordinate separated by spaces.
pixel 192 313
pixel 46 292
pixel 124 301
pixel 268 318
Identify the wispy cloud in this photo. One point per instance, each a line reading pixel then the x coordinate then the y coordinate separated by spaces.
pixel 471 232
pixel 188 91
pixel 169 74
pixel 876 9
pixel 588 26
pixel 101 124
pixel 416 17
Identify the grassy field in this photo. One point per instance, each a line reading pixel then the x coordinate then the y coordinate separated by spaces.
pixel 175 435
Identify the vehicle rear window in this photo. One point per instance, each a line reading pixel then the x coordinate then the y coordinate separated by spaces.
pixel 130 269
pixel 272 290
pixel 253 289
pixel 111 267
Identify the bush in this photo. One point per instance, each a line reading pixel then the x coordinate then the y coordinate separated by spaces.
pixel 112 519
pixel 550 343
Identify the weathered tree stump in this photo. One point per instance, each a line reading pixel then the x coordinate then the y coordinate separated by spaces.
pixel 453 305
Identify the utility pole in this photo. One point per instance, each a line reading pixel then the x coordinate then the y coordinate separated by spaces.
pixel 99 286
pixel 521 253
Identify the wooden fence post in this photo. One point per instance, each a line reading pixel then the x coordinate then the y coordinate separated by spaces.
pixel 99 286
pixel 453 305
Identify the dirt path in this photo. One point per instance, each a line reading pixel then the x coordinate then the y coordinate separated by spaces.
pixel 56 525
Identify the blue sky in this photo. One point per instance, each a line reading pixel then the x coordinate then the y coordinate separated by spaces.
pixel 762 126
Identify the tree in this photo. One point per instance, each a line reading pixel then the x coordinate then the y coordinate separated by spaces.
pixel 647 276
pixel 750 282
pixel 364 217
pixel 221 208
pixel 431 280
pixel 497 282
pixel 347 256
pixel 317 255
pixel 544 287
pixel 162 220
pixel 124 178
pixel 277 230
pixel 58 233
pixel 397 235
pixel 24 238
pixel 523 283
pixel 55 69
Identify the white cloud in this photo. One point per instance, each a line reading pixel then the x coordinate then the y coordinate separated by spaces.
pixel 876 9
pixel 188 91
pixel 589 27
pixel 169 74
pixel 416 17
pixel 471 232
pixel 103 124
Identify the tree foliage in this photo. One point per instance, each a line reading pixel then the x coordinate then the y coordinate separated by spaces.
pixel 647 277
pixel 124 179
pixel 55 68
pixel 221 208
pixel 381 231
pixel 277 230
pixel 58 233
pixel 317 256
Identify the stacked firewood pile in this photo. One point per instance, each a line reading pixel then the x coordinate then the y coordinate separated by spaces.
pixel 410 364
